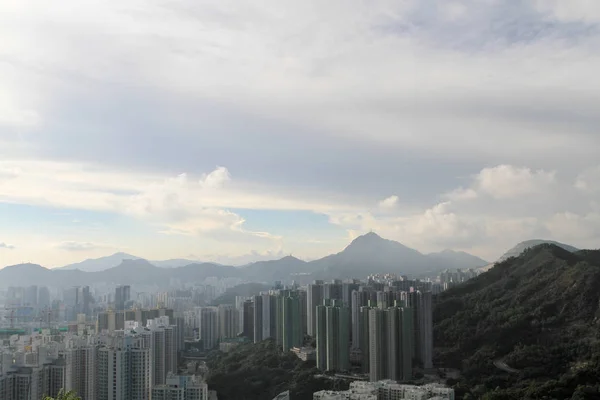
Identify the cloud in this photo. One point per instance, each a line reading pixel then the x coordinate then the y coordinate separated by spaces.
pixel 506 181
pixel 389 202
pixel 6 246
pixel 462 194
pixel 80 246
pixel 589 180
pixel 499 207
pixel 216 179
pixel 288 107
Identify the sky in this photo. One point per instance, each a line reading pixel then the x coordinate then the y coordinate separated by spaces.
pixel 236 131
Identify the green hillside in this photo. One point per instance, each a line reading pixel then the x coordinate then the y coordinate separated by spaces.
pixel 260 371
pixel 537 316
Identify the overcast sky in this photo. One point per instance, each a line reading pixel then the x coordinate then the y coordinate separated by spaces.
pixel 233 131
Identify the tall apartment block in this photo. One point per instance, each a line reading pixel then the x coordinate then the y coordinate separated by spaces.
pixel 390 342
pixel 314 298
pixel 333 337
pixel 208 327
pixel 124 369
pixel 421 303
pixel 228 321
pixel 292 335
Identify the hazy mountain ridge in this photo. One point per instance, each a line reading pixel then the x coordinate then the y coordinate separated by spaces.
pixel 104 263
pixel 538 312
pixel 457 259
pixel 364 255
pixel 521 247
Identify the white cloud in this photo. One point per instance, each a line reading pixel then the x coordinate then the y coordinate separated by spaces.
pixel 571 11
pixel 462 194
pixel 589 180
pixel 6 246
pixel 500 207
pixel 287 87
pixel 580 228
pixel 389 203
pixel 216 179
pixel 507 181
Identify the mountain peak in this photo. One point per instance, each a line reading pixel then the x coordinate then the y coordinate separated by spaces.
pixel 369 236
pixel 367 239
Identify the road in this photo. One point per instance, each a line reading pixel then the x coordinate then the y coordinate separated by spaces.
pixel 500 364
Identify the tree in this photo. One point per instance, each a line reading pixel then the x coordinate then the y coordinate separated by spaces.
pixel 62 395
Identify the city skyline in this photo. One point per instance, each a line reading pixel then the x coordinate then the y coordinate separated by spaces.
pixel 222 131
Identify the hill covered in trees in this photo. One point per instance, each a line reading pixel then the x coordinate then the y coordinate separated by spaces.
pixel 244 289
pixel 529 328
pixel 260 371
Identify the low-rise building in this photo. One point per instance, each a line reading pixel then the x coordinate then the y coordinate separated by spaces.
pixel 387 390
pixel 181 388
pixel 305 353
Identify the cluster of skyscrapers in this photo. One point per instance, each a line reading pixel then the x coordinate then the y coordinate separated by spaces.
pixel 136 361
pixel 110 347
pixel 383 326
pixel 279 314
pixel 387 326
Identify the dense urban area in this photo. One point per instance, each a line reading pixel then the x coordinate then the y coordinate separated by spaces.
pixel 472 333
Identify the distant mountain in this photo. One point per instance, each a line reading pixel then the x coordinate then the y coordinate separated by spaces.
pixel 244 290
pixel 455 259
pixel 173 263
pixel 102 263
pixel 365 255
pixel 371 254
pixel 274 270
pixel 127 272
pixel 24 274
pixel 521 247
pixel 525 329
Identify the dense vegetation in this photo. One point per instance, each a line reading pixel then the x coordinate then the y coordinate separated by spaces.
pixel 538 314
pixel 260 371
pixel 62 395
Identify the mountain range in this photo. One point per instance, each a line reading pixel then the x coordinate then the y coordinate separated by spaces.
pixel 364 255
pixel 104 263
pixel 525 329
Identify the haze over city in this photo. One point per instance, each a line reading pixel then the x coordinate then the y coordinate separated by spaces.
pixel 228 132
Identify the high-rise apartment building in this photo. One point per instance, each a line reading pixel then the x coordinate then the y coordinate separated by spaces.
pixel 333 290
pixel 257 334
pixel 421 303
pixel 163 348
pixel 124 369
pixel 269 316
pixel 228 321
pixel 248 319
pixel 80 357
pixel 390 342
pixel 209 328
pixel 314 299
pixel 333 337
pixel 347 289
pixel 292 321
pixel 122 296
pixel 359 299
